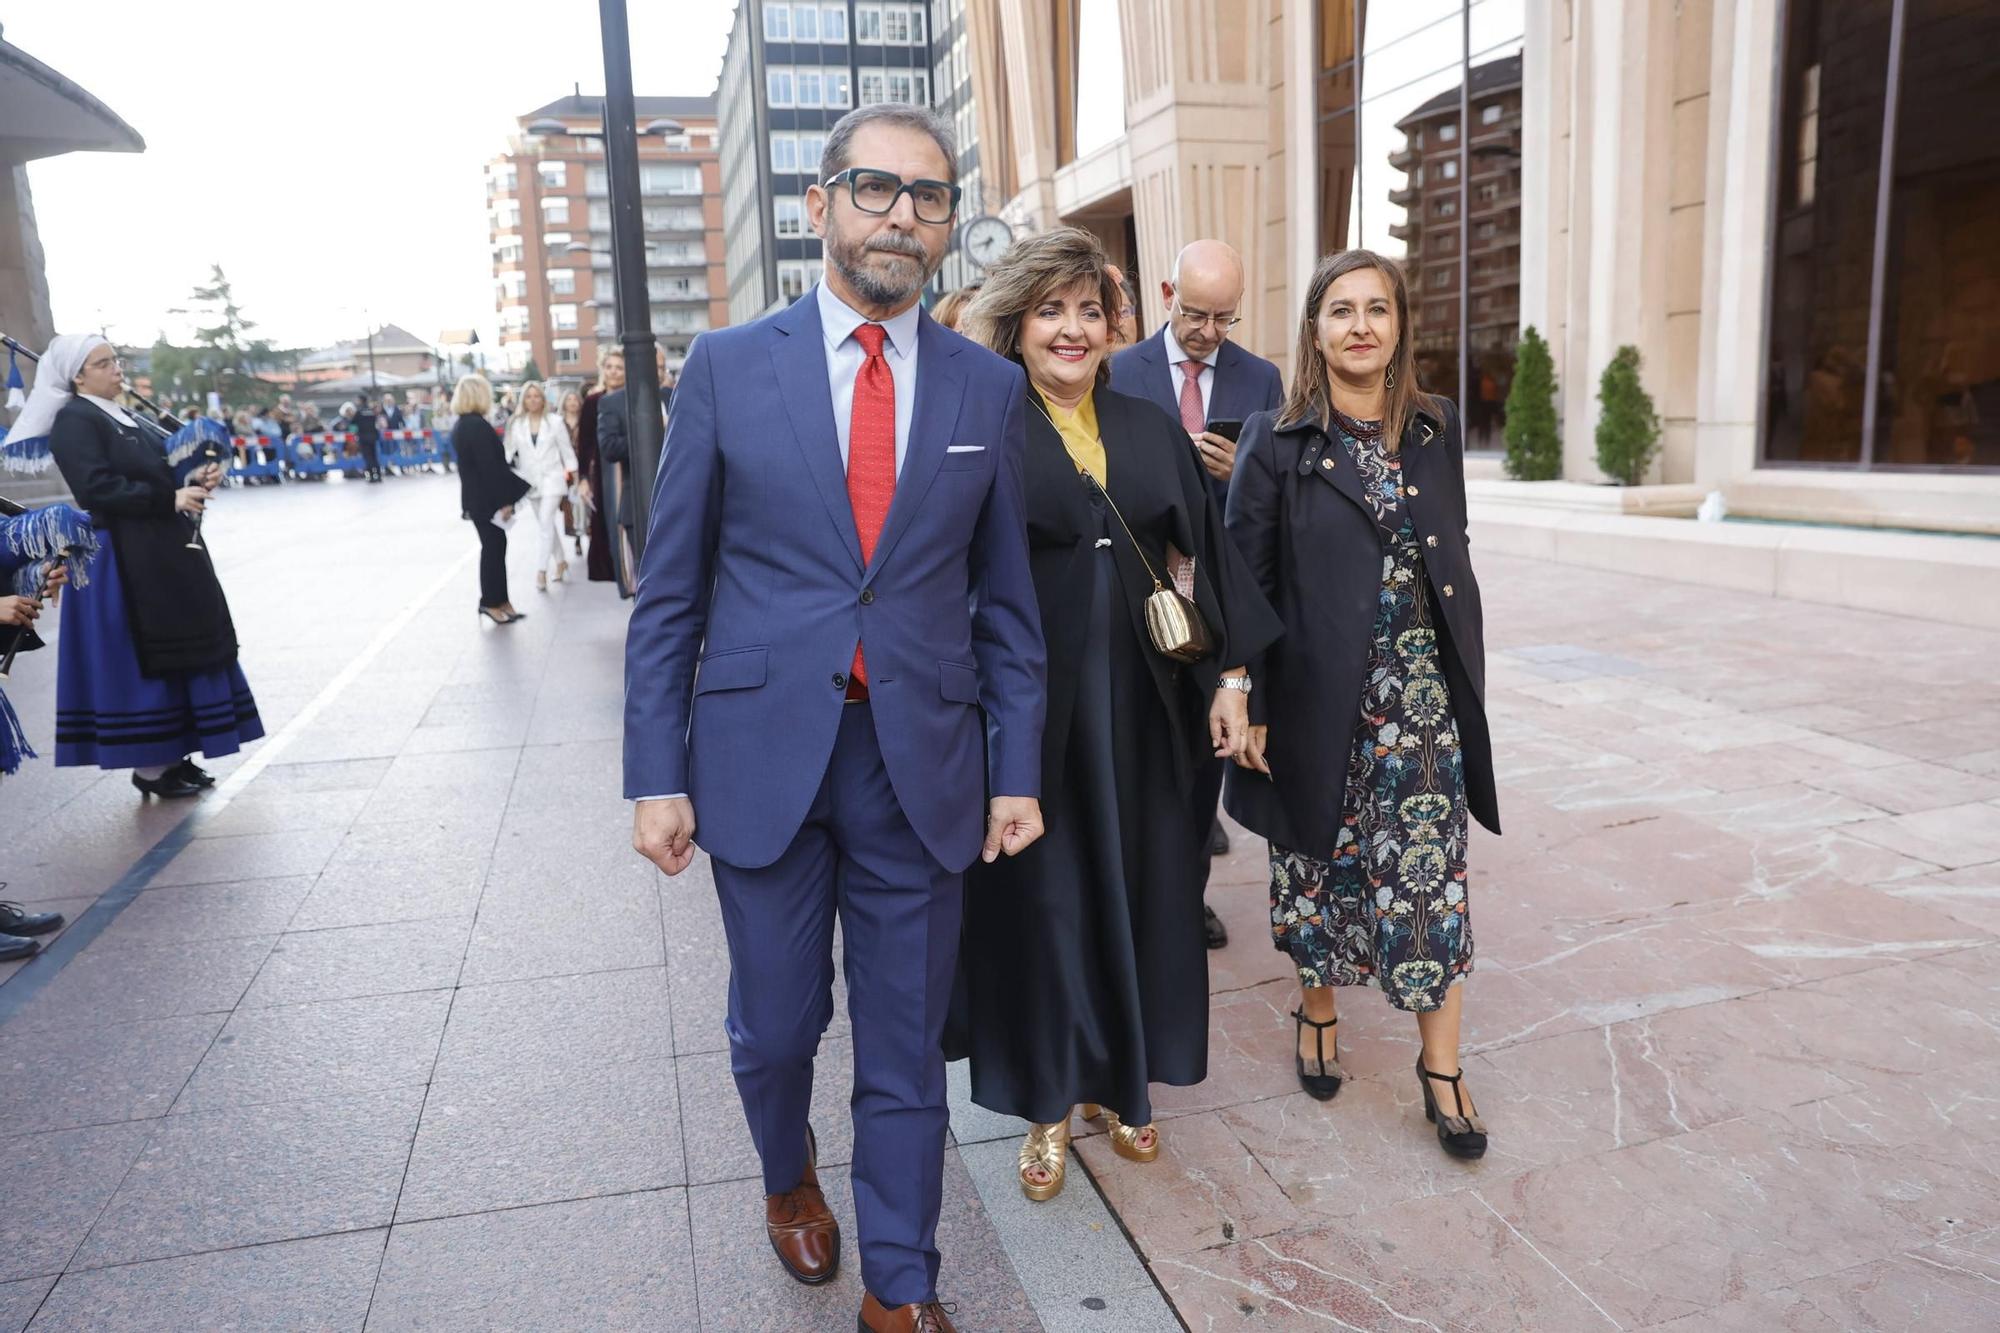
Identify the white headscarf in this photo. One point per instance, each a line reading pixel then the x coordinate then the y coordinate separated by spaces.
pixel 59 367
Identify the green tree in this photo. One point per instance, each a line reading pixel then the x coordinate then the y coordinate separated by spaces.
pixel 531 373
pixel 224 334
pixel 1534 444
pixel 1628 429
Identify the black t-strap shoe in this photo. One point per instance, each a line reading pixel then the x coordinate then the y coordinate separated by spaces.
pixel 1462 1133
pixel 1325 1079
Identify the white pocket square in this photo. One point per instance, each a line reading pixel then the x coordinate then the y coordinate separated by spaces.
pixel 965 449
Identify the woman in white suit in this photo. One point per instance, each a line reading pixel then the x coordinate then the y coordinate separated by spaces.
pixel 540 450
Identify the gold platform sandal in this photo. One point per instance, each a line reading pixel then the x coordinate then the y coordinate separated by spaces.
pixel 1124 1137
pixel 1047 1147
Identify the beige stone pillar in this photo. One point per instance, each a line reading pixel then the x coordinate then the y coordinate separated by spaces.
pixel 1030 74
pixel 1198 79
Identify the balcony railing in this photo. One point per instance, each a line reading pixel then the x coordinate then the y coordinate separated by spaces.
pixel 1404 158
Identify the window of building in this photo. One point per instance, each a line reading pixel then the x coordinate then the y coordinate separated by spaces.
pixel 1447 132
pixel 507 252
pixel 569 351
pixel 899 85
pixel 1445 208
pixel 833 23
pixel 868 23
pixel 603 288
pixel 514 285
pixel 811 148
pixel 808 87
pixel 501 179
pixel 600 215
pixel 562 317
pixel 778 86
pixel 555 212
pixel 507 215
pixel 777 23
pixel 792 282
pixel 554 240
pixel 1490 113
pixel 1448 169
pixel 596 182
pixel 874 87
pixel 784 153
pixel 789 214
pixel 669 178
pixel 1440 278
pixel 562 282
pixel 895 26
pixel 555 175
pixel 836 89
pixel 672 217
pixel 1489 191
pixel 805 23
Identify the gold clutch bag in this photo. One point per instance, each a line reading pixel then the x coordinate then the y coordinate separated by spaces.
pixel 1175 624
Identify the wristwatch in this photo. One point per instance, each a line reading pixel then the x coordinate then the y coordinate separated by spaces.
pixel 1234 683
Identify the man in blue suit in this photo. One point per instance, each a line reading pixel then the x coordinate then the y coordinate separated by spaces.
pixel 1191 369
pixel 836 661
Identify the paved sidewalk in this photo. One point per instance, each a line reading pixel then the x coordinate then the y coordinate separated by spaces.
pixel 403 1034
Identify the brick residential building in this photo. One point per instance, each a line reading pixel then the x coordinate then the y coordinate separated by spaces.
pixel 549 218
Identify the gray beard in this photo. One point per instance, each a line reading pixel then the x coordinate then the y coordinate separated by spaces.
pixel 870 286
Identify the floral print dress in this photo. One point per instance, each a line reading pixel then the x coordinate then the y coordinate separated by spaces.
pixel 1390 908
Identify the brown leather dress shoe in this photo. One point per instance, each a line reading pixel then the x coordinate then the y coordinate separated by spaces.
pixel 928 1317
pixel 803 1233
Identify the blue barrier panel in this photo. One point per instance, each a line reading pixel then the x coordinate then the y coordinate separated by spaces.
pixel 409 448
pixel 258 456
pixel 322 452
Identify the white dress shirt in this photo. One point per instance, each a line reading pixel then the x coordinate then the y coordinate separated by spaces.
pixel 1174 358
pixel 845 356
pixel 109 408
pixel 844 359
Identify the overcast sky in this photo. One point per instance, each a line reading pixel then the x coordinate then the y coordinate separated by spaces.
pixel 330 167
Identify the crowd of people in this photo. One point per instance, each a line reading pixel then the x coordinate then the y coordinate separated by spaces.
pixel 1067 586
pixel 954 627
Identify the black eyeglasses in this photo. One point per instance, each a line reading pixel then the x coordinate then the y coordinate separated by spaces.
pixel 877 191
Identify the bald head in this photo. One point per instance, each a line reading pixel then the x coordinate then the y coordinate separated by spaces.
pixel 1207 282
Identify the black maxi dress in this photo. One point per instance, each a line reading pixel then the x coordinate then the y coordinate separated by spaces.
pixel 1083 971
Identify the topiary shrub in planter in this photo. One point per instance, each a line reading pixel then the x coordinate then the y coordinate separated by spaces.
pixel 1534 446
pixel 1628 429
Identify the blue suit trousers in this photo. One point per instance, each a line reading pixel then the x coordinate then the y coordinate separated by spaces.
pixel 899 919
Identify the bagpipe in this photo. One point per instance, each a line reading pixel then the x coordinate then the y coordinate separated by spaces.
pixel 34 544
pixel 188 445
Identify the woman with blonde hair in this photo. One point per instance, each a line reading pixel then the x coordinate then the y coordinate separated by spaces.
pixel 1370 747
pixel 1084 964
pixel 488 491
pixel 539 449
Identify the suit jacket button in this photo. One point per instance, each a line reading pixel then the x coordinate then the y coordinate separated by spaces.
pixel 1447 590
pixel 1409 490
pixel 867 596
pixel 1327 463
pixel 1430 541
pixel 839 681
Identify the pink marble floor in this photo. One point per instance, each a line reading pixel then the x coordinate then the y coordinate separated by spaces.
pixel 1735 1025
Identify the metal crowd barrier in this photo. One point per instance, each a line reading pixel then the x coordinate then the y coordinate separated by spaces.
pixel 411 449
pixel 258 456
pixel 321 452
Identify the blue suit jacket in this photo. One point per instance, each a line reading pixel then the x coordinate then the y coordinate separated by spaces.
pixel 1244 383
pixel 752 595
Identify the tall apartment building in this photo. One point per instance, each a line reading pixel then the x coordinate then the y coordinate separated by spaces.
pixel 549 214
pixel 789 72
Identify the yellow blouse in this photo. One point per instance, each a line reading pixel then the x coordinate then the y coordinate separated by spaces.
pixel 1080 437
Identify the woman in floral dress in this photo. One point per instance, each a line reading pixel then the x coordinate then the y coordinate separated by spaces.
pixel 1371 752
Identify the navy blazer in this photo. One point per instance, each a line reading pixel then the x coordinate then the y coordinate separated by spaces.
pixel 753 594
pixel 1244 383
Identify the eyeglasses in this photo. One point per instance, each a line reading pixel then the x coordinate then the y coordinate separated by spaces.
pixel 1201 318
pixel 103 363
pixel 876 192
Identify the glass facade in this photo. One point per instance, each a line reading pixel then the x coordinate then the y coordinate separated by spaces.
pixel 1884 336
pixel 1401 174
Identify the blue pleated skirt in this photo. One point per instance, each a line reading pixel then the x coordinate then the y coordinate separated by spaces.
pixel 109 715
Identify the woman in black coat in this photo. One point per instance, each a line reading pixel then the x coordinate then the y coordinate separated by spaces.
pixel 1370 747
pixel 1084 964
pixel 147 672
pixel 487 490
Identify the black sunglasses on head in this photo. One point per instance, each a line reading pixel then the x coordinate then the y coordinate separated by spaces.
pixel 876 192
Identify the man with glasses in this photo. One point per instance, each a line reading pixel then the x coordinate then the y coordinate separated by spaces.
pixel 834 587
pixel 1192 369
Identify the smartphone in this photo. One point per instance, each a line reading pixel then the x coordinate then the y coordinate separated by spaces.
pixel 1228 430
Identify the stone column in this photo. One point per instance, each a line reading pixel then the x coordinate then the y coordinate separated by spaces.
pixel 1198 81
pixel 1031 92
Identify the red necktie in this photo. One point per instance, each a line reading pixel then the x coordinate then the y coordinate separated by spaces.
pixel 871 453
pixel 1193 420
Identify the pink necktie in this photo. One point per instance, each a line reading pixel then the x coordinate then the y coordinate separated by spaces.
pixel 871 453
pixel 1193 420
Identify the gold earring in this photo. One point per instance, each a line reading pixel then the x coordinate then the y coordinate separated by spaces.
pixel 1389 380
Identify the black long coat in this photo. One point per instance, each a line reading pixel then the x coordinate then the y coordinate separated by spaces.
pixel 1297 512
pixel 180 620
pixel 486 485
pixel 1082 970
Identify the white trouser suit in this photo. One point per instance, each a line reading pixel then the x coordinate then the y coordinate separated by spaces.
pixel 541 452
